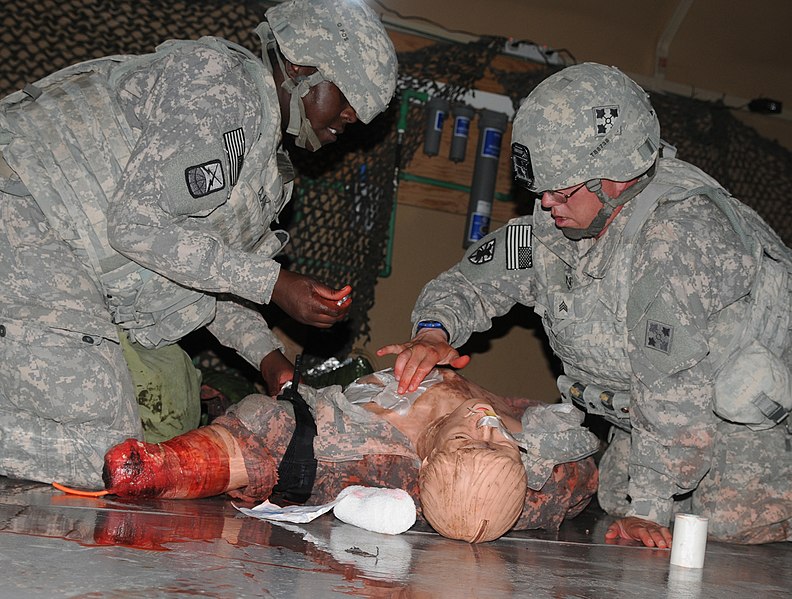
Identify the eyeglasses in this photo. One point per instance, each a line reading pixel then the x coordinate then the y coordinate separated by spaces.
pixel 565 196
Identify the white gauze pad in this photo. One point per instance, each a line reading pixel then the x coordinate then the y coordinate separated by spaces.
pixel 388 511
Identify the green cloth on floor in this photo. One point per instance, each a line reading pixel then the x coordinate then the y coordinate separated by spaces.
pixel 167 388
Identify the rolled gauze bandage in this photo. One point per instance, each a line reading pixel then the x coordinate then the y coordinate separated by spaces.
pixel 690 541
pixel 389 511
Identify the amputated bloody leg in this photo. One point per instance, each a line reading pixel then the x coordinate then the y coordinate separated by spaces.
pixel 208 461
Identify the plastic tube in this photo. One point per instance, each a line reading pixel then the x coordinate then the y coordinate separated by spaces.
pixel 482 190
pixel 436 112
pixel 460 131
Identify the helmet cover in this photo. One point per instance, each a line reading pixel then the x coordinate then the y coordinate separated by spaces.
pixel 346 42
pixel 585 122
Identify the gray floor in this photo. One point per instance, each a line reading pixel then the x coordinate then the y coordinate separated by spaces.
pixel 54 545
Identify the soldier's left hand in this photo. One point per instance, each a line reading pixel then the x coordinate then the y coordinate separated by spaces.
pixel 647 532
pixel 310 302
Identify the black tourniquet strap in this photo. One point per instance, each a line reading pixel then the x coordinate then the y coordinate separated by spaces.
pixel 297 470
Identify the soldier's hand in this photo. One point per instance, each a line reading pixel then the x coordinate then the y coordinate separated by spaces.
pixel 276 370
pixel 417 357
pixel 310 302
pixel 647 532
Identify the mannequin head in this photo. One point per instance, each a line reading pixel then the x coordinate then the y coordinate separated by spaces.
pixel 472 481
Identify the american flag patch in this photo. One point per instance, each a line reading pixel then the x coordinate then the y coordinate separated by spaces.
pixel 519 253
pixel 235 150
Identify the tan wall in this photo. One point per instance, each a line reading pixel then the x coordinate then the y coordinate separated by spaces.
pixel 733 48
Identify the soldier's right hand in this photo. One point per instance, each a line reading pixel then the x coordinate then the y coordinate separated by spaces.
pixel 276 370
pixel 416 358
pixel 310 302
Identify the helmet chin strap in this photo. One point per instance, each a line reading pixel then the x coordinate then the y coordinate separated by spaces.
pixel 299 124
pixel 609 204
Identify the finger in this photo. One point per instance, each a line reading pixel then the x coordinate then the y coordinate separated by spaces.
pixel 345 291
pixel 323 313
pixel 407 370
pixel 460 362
pixel 333 295
pixel 336 308
pixel 659 538
pixel 393 348
pixel 642 534
pixel 667 536
pixel 424 368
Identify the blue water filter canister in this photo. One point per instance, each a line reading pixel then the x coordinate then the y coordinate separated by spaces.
pixel 436 113
pixel 460 130
pixel 491 125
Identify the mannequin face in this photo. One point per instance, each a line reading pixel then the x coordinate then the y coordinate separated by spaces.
pixel 459 430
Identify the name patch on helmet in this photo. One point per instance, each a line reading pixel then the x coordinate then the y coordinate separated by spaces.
pixel 484 253
pixel 606 119
pixel 659 336
pixel 206 178
pixel 519 253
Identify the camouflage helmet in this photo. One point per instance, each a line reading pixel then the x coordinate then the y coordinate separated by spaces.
pixel 346 42
pixel 586 122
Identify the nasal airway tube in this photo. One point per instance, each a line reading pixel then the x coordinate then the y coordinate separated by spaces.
pixel 690 541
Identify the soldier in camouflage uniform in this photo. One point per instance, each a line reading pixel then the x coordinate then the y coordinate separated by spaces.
pixel 667 300
pixel 137 194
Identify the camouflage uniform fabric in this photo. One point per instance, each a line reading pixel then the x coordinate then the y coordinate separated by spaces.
pixel 179 216
pixel 356 447
pixel 652 317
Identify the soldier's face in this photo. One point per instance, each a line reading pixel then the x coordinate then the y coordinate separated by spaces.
pixel 573 207
pixel 329 111
pixel 576 207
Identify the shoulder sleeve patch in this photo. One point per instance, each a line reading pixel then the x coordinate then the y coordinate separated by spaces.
pixel 483 253
pixel 206 178
pixel 195 181
pixel 519 251
pixel 664 339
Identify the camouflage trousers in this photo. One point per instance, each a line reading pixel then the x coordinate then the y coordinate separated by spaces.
pixel 747 493
pixel 66 392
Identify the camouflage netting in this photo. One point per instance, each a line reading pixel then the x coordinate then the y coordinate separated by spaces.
pixel 341 213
